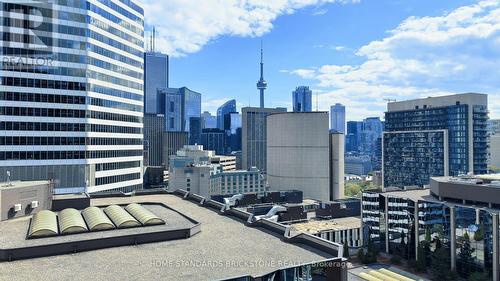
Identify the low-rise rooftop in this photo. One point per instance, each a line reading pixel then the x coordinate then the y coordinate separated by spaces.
pixel 225 247
pixel 316 226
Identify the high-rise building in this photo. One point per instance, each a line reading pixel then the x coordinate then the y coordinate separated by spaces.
pixel 155 77
pixel 437 136
pixel 172 142
pixel 208 121
pixel 298 155
pixel 232 132
pixel 494 134
pixel 213 139
pixel 153 137
pixel 254 136
pixel 353 136
pixel 74 116
pixel 194 130
pixel 227 107
pixel 179 105
pixel 301 99
pixel 261 84
pixel 337 118
pixel 372 130
pixel 337 175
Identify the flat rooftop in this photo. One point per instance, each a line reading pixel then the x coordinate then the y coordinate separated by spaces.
pixel 225 247
pixel 316 226
pixel 17 184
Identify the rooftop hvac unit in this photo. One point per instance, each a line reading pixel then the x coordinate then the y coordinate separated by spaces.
pixel 17 207
pixel 34 204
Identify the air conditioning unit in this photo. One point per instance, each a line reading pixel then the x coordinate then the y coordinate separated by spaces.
pixel 18 207
pixel 34 204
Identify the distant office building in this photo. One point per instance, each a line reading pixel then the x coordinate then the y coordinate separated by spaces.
pixel 301 99
pixel 232 130
pixel 77 118
pixel 238 155
pixel 208 121
pixel 225 162
pixel 353 136
pixel 237 181
pixel 377 156
pixel 372 130
pixel 337 118
pixel 194 130
pixel 172 142
pixel 254 135
pixel 153 136
pixel 179 105
pixel 227 107
pixel 437 136
pixel 155 77
pixel 494 130
pixel 358 165
pixel 494 126
pixel 337 162
pixel 213 139
pixel 298 153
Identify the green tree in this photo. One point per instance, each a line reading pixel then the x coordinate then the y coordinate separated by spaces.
pixel 479 234
pixel 441 264
pixel 427 235
pixel 479 276
pixel 346 250
pixel 465 255
pixel 421 264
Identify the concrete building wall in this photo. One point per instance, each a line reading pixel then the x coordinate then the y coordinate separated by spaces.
pixel 24 193
pixel 337 147
pixel 495 150
pixel 298 153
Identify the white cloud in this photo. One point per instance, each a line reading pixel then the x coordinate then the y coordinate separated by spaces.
pixel 428 56
pixel 185 26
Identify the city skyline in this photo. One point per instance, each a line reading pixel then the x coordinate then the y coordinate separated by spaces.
pixel 358 70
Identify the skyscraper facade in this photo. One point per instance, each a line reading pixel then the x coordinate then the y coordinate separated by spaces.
pixel 153 137
pixel 301 99
pixel 353 136
pixel 337 118
pixel 227 107
pixel 213 139
pixel 254 136
pixel 155 77
pixel 179 105
pixel 437 136
pixel 232 132
pixel 208 121
pixel 77 117
pixel 372 130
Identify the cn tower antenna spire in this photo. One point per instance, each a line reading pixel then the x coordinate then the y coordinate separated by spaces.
pixel 261 84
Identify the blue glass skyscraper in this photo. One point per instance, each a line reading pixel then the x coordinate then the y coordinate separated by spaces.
pixel 301 99
pixel 337 118
pixel 180 106
pixel 155 77
pixel 227 107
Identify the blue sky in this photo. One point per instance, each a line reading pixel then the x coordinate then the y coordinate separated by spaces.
pixel 356 52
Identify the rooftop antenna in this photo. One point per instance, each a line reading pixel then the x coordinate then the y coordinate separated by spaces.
pixel 154 38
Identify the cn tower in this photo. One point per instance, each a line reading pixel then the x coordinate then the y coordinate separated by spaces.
pixel 261 84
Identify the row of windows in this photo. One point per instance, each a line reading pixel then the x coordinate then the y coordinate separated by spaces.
pixel 69 127
pixel 14 65
pixel 29 97
pixel 47 13
pixel 43 112
pixel 45 155
pixel 47 41
pixel 104 26
pixel 112 55
pixel 114 80
pixel 117 165
pixel 134 6
pixel 63 29
pixel 17 140
pixel 26 55
pixel 117 178
pixel 34 126
pixel 120 10
pixel 71 113
pixel 43 83
pixel 115 19
pixel 111 42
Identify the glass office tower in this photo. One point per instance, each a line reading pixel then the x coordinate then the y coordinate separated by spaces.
pixel 302 99
pixel 435 137
pixel 72 111
pixel 155 77
pixel 227 107
pixel 337 118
